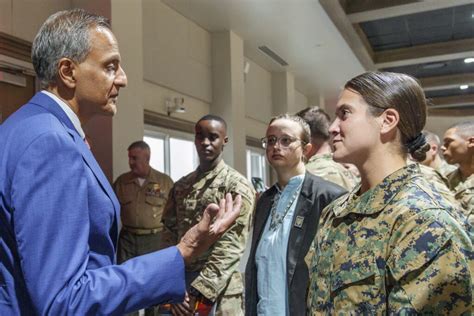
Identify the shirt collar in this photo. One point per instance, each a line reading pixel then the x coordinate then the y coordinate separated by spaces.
pixel 70 113
pixel 375 200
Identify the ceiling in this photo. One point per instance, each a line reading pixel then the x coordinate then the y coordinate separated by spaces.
pixel 429 40
pixel 327 42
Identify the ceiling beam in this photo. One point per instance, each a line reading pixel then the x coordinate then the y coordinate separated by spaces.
pixel 456 100
pixel 451 112
pixel 446 82
pixel 425 53
pixel 339 18
pixel 368 11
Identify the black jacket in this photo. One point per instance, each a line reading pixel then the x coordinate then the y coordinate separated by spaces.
pixel 316 194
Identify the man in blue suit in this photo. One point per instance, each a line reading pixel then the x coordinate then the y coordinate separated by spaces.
pixel 58 213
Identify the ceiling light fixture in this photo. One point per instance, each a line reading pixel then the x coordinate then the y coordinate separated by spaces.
pixel 469 60
pixel 463 87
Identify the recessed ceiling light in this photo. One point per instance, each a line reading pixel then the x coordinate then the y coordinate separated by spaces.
pixel 463 87
pixel 435 65
pixel 469 60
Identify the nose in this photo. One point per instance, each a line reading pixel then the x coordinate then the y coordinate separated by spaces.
pixel 121 78
pixel 334 127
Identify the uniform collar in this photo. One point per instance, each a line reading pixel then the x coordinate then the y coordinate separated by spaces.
pixel 151 177
pixel 327 156
pixel 375 200
pixel 211 172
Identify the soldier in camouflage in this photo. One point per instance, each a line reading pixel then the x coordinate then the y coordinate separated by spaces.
pixel 213 278
pixel 320 160
pixel 433 157
pixel 391 246
pixel 458 148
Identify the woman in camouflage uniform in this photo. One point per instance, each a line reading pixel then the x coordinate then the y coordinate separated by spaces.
pixel 390 246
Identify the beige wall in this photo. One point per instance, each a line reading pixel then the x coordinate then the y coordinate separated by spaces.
pixel 176 52
pixel 22 18
pixel 439 124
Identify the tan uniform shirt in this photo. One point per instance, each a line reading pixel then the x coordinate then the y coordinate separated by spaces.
pixel 142 206
pixel 188 199
pixel 325 167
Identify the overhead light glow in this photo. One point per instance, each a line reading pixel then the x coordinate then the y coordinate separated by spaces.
pixel 463 87
pixel 469 60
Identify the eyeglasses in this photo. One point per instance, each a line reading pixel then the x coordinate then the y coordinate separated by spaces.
pixel 284 141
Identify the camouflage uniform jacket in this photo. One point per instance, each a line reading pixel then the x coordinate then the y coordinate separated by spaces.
pixel 392 250
pixel 445 168
pixel 324 166
pixel 463 192
pixel 440 182
pixel 188 199
pixel 141 206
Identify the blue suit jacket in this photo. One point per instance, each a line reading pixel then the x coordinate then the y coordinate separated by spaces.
pixel 58 226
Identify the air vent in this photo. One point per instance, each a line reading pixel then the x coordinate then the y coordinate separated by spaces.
pixel 273 55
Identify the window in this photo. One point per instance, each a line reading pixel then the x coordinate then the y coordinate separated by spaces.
pixel 256 164
pixel 172 152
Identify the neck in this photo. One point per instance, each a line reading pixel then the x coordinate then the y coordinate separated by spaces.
pixel 377 167
pixel 67 96
pixel 467 169
pixel 325 148
pixel 436 162
pixel 284 176
pixel 209 165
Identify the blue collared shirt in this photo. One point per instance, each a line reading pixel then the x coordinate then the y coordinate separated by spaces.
pixel 271 253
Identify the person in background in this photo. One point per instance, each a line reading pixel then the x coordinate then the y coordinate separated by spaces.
pixel 286 221
pixel 142 193
pixel 59 214
pixel 433 156
pixel 213 281
pixel 390 246
pixel 430 169
pixel 320 160
pixel 458 148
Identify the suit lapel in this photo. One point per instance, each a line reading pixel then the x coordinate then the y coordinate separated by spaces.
pixel 49 104
pixel 298 228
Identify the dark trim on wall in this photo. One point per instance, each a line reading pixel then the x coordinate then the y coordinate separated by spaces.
pixel 253 142
pixel 161 120
pixel 15 47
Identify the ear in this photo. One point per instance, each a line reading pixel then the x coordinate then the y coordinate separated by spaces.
pixel 434 148
pixel 307 150
pixel 390 119
pixel 226 140
pixel 66 72
pixel 470 142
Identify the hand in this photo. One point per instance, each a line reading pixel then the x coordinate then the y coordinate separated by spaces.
pixel 186 308
pixel 202 235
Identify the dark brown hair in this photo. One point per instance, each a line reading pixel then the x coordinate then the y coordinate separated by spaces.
pixel 384 90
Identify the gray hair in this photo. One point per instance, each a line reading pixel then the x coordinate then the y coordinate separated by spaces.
pixel 65 34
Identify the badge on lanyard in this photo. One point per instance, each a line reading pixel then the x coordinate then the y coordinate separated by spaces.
pixel 299 221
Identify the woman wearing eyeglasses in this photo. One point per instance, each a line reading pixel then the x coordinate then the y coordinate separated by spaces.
pixel 390 246
pixel 285 223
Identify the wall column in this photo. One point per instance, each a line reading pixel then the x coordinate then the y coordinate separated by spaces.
pixel 127 124
pixel 283 93
pixel 228 94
